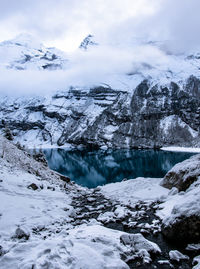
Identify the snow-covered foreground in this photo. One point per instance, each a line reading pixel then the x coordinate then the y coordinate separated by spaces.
pixel 46 222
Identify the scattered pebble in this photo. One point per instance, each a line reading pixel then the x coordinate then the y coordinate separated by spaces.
pixel 33 186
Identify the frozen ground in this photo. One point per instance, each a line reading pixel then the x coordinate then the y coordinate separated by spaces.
pixel 48 223
pixel 181 149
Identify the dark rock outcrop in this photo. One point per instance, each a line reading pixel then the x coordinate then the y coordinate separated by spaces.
pixel 33 186
pixel 184 230
pixel 21 234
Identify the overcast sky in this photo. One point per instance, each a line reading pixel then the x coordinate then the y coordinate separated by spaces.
pixel 64 23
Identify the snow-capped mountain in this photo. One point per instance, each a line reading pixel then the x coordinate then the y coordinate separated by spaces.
pixel 87 42
pixel 24 52
pixel 152 102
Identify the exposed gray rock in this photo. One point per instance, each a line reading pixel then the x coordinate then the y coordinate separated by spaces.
pixel 2 252
pixel 22 233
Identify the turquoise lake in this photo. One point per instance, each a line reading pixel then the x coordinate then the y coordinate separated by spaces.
pixel 100 167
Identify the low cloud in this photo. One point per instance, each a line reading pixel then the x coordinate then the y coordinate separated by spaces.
pixel 98 65
pixel 122 34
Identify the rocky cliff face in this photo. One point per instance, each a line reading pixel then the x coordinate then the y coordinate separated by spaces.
pixel 150 116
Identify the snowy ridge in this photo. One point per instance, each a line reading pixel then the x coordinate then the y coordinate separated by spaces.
pixel 26 53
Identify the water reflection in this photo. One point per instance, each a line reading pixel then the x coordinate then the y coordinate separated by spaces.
pixel 93 168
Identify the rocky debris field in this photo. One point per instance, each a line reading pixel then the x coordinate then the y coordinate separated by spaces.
pixel 49 222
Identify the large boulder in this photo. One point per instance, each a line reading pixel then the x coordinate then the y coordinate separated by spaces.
pixel 183 230
pixel 182 226
pixel 183 174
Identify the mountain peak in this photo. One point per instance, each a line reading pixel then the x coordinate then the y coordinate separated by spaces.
pixel 25 40
pixel 87 42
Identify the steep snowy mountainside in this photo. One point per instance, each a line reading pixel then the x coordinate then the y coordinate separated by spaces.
pixel 24 52
pixel 151 116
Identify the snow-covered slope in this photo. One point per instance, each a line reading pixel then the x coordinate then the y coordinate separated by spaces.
pixel 24 52
pixel 37 226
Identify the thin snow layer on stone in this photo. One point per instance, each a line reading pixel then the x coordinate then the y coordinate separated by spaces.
pixel 138 242
pixel 176 255
pixel 193 247
pixel 133 190
pixel 183 174
pixel 182 204
pixel 171 121
pixel 196 262
pixel 190 165
pixel 186 203
pixel 140 246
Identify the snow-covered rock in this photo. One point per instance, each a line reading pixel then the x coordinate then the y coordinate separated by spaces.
pixel 196 262
pixel 138 242
pixel 177 255
pixel 181 212
pixel 183 174
pixel 25 52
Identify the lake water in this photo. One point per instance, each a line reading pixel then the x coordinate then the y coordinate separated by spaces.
pixel 99 167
